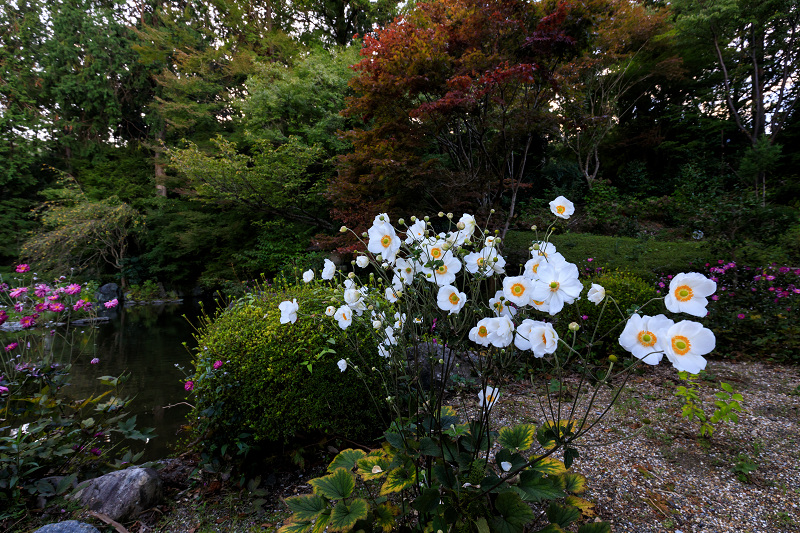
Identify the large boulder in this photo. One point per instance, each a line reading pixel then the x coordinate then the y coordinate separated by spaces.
pixel 108 292
pixel 68 526
pixel 121 495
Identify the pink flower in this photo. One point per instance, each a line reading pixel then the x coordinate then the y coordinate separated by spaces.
pixel 27 321
pixel 23 268
pixel 18 307
pixel 111 303
pixel 41 306
pixel 19 291
pixel 3 390
pixel 80 304
pixel 95 451
pixel 740 316
pixel 720 261
pixel 73 288
pixel 42 290
pixel 715 297
pixel 770 278
pixel 590 259
pixel 94 361
pixel 217 365
pixel 189 385
pixel 54 297
pixel 584 317
pixel 3 316
pixel 3 287
pixel 11 346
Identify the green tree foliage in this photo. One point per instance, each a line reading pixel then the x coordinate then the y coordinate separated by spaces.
pixel 336 22
pixel 78 232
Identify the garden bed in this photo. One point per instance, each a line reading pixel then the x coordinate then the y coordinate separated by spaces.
pixel 660 478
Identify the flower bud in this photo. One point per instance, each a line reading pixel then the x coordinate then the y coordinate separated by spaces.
pixel 441 361
pixel 441 214
pixel 427 219
pixel 534 227
pixel 365 234
pixel 343 229
pixel 381 218
pixel 413 218
pixel 401 222
pixel 491 211
pixel 461 225
pixel 450 215
pixel 351 275
pixel 536 246
pixel 376 324
pixel 612 358
pixel 446 246
pixel 574 326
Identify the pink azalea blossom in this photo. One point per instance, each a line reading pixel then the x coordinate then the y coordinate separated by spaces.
pixel 23 268
pixel 111 303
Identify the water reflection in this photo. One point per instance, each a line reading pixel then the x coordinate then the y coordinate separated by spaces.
pixel 147 341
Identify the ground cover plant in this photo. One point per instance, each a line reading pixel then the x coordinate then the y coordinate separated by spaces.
pixel 440 305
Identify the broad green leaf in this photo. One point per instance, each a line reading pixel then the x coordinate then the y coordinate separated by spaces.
pixel 586 507
pixel 574 483
pixel 384 516
pixel 372 467
pixel 399 479
pixel 306 507
pixel 335 486
pixel 344 516
pixel 428 501
pixel 322 522
pixel 537 488
pixel 548 465
pixel 428 446
pixel 396 440
pixel 518 438
pixel 296 527
pixel 552 528
pixel 346 459
pixel 563 515
pixel 595 527
pixel 482 525
pixel 512 513
pixel 570 454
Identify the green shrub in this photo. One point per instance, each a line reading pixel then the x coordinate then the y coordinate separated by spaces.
pixel 624 292
pixel 263 391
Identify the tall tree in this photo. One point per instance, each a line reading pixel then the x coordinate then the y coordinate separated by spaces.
pixel 756 49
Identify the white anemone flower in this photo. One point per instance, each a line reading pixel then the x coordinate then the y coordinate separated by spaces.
pixel 308 275
pixel 289 311
pixel 384 351
pixel 488 397
pixel 434 250
pixel 688 292
pixel 405 270
pixel 328 270
pixel 554 259
pixel 469 228
pixel 501 331
pixel 393 293
pixel 480 333
pixel 344 316
pixel 536 336
pixel 383 239
pixel 354 298
pixel 330 310
pixel 557 286
pixel 486 261
pixel 399 320
pixel 416 233
pixel 500 307
pixel 562 208
pixel 686 343
pixel 449 299
pixel 362 261
pixel 390 339
pixel 444 273
pixel 544 249
pixel 644 336
pixel 490 240
pixel 342 364
pixel 518 290
pixel 596 294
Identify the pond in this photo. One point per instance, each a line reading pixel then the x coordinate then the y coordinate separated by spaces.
pixel 152 343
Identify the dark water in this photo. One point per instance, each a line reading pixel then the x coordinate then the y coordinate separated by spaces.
pixel 147 342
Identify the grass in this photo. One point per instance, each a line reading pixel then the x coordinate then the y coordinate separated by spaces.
pixel 644 257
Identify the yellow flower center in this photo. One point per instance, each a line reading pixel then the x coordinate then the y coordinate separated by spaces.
pixel 683 293
pixel 386 241
pixel 454 299
pixel 544 338
pixel 681 345
pixel 518 289
pixel 344 316
pixel 490 399
pixel 436 253
pixel 554 285
pixel 560 209
pixel 647 338
pixel 482 331
pixel 442 270
pixel 537 302
pixel 535 268
pixel 480 261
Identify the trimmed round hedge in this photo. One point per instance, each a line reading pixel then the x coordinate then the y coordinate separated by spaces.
pixel 263 392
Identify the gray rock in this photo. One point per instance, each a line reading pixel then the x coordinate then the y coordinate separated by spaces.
pixel 68 526
pixel 121 495
pixel 108 292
